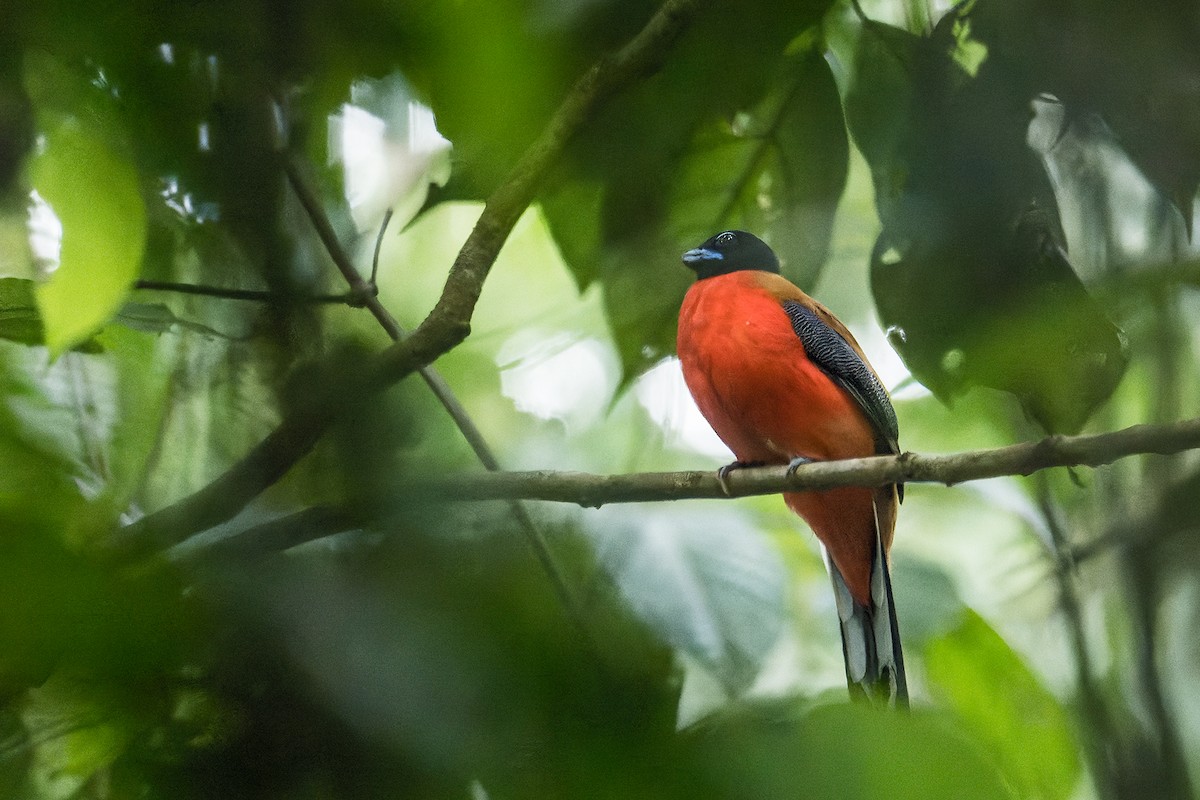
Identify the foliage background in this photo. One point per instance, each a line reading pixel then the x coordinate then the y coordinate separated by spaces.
pixel 917 166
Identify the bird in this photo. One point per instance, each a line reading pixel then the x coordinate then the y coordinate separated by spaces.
pixel 782 381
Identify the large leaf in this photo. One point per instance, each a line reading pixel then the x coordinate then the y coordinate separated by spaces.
pixel 95 195
pixel 970 271
pixel 706 583
pixel 879 109
pixel 778 170
pixel 973 671
pixel 1135 65
pixel 777 167
pixel 19 319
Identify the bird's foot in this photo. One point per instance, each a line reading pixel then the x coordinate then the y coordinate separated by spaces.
pixel 797 462
pixel 723 472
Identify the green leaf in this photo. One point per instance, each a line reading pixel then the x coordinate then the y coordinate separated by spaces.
pixel 774 750
pixel 39 439
pixel 88 732
pixel 779 170
pixel 94 192
pixel 975 672
pixel 879 108
pixel 708 584
pixel 142 368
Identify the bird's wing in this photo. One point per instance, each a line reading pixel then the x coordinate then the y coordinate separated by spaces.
pixel 832 348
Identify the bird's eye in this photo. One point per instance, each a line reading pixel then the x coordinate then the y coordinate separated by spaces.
pixel 726 238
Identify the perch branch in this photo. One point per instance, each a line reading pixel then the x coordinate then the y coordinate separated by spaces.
pixel 1018 459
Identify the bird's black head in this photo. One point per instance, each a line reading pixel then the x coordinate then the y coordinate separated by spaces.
pixel 731 251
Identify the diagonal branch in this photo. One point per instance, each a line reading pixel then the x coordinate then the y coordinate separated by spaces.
pixel 433 379
pixel 1018 459
pixel 447 324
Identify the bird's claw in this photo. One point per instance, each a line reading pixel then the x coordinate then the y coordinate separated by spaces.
pixel 723 473
pixel 796 463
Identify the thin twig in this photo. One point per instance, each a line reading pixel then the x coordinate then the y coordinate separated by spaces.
pixel 1019 459
pixel 253 295
pixel 1099 726
pixel 1144 593
pixel 368 292
pixel 383 226
pixel 446 325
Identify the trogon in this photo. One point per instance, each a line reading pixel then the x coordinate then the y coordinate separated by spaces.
pixel 782 381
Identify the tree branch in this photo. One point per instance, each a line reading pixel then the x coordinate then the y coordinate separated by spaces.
pixel 447 324
pixel 1018 459
pixel 450 321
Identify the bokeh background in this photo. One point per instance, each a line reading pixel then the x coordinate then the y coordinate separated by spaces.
pixel 995 196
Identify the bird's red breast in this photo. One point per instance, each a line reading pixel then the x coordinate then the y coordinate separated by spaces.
pixel 753 380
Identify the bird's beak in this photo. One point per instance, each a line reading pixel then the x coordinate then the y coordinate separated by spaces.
pixel 698 255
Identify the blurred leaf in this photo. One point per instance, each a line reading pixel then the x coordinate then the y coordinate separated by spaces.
pixel 707 584
pixel 19 319
pixel 462 56
pixel 1136 66
pixel 80 732
pixel 1024 727
pixel 15 753
pixel 928 601
pixel 39 444
pixel 33 627
pixel 778 170
pixel 879 109
pixel 969 213
pixel 143 384
pixel 443 647
pixel 96 196
pixel 854 752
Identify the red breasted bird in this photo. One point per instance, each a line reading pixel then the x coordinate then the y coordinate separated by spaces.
pixel 782 381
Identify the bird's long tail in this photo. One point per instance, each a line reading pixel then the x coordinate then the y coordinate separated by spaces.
pixel 871 636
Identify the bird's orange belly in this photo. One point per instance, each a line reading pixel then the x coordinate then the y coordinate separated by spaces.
pixel 767 401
